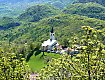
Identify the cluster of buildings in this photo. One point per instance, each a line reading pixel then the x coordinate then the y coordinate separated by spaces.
pixel 52 45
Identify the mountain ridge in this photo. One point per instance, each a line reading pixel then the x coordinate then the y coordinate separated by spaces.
pixel 39 31
pixel 102 2
pixel 92 10
pixel 14 8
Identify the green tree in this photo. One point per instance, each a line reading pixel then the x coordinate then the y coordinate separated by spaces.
pixel 89 64
pixel 7 22
pixel 65 42
pixel 12 68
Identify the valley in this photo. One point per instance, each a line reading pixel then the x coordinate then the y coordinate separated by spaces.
pixel 26 24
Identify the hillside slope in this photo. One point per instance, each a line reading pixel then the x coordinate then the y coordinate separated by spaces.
pixel 13 8
pixel 38 12
pixel 91 10
pixel 102 2
pixel 65 26
pixel 6 23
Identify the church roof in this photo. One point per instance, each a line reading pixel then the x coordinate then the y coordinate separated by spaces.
pixel 52 30
pixel 49 42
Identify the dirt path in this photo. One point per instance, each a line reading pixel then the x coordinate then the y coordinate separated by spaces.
pixel 33 76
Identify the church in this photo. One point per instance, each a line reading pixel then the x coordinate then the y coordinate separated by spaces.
pixel 50 43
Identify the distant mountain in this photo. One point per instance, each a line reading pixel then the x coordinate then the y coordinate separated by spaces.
pixel 6 23
pixel 65 25
pixel 15 1
pixel 39 12
pixel 92 10
pixel 102 2
pixel 13 8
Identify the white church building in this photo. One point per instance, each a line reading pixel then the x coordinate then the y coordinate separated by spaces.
pixel 50 43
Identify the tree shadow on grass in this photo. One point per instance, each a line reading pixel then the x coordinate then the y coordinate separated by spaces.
pixel 37 52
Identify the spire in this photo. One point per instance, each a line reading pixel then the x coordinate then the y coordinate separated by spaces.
pixel 52 30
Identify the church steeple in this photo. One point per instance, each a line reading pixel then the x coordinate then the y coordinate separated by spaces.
pixel 52 30
pixel 52 34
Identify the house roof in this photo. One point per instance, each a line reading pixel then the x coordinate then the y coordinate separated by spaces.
pixel 49 42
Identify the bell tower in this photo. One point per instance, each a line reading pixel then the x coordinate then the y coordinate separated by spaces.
pixel 52 34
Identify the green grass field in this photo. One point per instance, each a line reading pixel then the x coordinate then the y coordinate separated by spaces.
pixel 36 63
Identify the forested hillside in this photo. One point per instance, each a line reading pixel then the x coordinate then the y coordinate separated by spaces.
pixel 6 23
pixel 39 12
pixel 91 10
pixel 63 25
pixel 27 26
pixel 102 2
pixel 13 8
